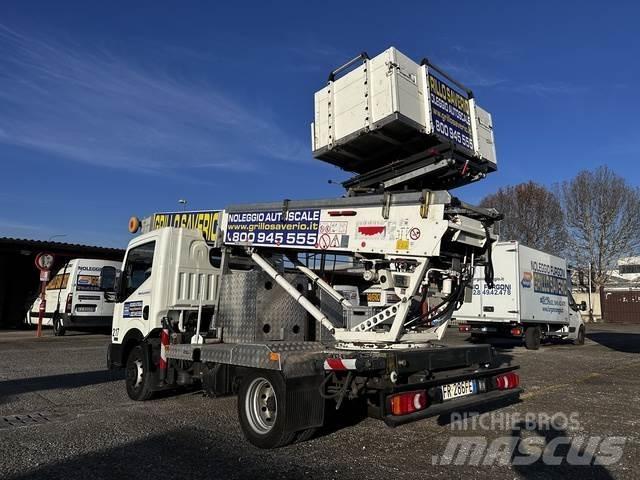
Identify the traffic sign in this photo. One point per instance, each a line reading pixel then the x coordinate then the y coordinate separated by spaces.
pixel 44 261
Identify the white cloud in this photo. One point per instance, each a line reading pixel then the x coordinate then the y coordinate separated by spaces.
pixel 91 106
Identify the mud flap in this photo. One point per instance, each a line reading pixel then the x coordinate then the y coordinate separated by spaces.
pixel 304 405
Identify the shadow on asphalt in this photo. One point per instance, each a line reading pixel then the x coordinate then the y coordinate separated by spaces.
pixel 47 331
pixel 622 342
pixel 497 342
pixel 10 388
pixel 181 453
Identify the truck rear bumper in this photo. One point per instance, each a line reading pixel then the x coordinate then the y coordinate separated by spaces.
pixel 484 400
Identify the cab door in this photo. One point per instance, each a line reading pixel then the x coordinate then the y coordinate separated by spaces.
pixel 134 291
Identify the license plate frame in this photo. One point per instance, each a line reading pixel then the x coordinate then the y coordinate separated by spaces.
pixel 463 388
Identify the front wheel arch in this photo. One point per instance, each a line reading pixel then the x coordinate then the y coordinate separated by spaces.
pixel 132 339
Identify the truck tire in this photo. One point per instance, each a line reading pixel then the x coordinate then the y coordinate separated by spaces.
pixel 138 377
pixel 477 338
pixel 532 338
pixel 261 407
pixel 579 340
pixel 58 327
pixel 305 435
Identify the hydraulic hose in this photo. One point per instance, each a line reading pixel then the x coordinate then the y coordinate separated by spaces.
pixel 488 269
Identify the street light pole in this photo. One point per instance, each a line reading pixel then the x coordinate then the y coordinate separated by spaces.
pixel 590 309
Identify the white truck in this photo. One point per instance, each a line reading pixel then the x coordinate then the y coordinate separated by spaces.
pixel 74 299
pixel 531 298
pixel 234 301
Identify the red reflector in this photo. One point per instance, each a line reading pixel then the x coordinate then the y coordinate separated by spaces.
pixel 408 402
pixel 342 213
pixel 67 307
pixel 507 381
pixel 516 332
pixel 464 328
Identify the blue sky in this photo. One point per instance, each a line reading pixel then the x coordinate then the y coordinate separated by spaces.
pixel 109 109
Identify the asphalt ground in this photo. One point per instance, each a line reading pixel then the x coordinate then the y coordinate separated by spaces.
pixel 62 415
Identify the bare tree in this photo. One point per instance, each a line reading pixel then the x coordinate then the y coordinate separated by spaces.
pixel 532 215
pixel 602 213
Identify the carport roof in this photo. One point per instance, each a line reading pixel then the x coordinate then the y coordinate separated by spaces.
pixel 9 243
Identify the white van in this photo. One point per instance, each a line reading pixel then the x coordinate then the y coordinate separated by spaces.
pixel 74 299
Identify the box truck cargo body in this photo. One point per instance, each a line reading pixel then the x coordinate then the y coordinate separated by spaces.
pixel 531 296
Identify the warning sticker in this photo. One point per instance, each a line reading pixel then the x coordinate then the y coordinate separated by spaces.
pixel 371 231
pixel 402 244
pixel 333 227
pixel 327 241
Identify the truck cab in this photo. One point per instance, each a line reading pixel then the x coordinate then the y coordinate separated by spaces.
pixel 169 274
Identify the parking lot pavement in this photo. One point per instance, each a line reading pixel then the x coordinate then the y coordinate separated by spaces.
pixel 62 415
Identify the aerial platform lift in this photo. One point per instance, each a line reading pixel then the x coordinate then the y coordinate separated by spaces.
pixel 234 299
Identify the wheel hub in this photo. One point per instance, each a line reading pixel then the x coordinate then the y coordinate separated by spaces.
pixel 135 372
pixel 261 405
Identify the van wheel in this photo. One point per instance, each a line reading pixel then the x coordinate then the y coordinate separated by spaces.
pixel 261 408
pixel 58 325
pixel 532 338
pixel 579 340
pixel 138 376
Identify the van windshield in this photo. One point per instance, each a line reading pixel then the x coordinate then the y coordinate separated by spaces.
pixel 137 267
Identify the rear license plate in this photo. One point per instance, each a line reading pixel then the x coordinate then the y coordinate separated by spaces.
pixel 85 308
pixel 458 389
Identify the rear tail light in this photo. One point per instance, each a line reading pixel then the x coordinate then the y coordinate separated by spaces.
pixel 516 331
pixel 67 307
pixel 408 402
pixel 507 381
pixel 464 328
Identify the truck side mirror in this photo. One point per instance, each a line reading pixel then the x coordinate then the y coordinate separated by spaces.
pixel 583 306
pixel 108 279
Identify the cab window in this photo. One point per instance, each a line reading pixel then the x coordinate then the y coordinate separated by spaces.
pixel 137 267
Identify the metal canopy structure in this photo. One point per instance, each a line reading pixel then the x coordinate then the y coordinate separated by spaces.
pixel 19 277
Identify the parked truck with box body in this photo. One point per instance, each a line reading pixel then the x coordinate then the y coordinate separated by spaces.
pixel 531 298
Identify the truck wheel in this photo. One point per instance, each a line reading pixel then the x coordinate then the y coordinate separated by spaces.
pixel 138 377
pixel 261 403
pixel 532 338
pixel 58 327
pixel 579 340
